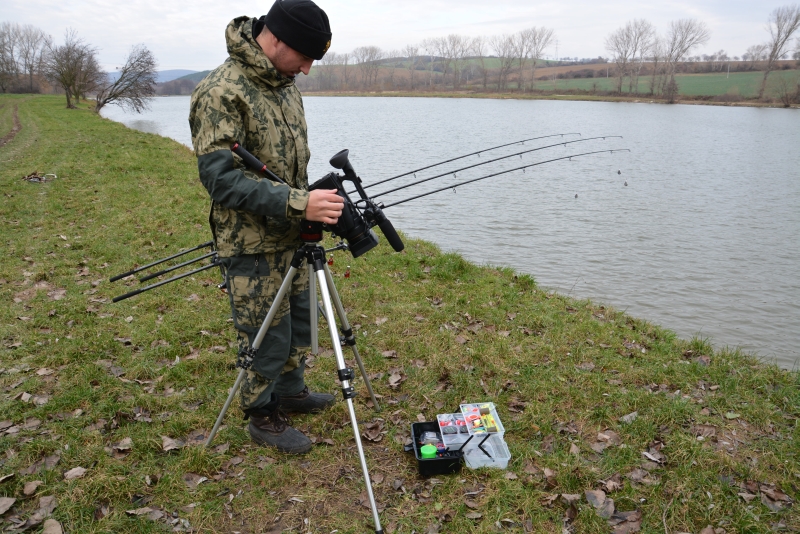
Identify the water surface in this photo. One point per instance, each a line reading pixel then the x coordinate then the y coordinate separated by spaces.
pixel 704 239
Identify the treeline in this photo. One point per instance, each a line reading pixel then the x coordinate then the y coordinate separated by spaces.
pixel 506 62
pixel 31 62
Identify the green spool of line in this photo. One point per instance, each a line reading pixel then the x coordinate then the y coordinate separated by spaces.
pixel 428 451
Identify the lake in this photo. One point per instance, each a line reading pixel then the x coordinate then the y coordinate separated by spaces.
pixel 696 229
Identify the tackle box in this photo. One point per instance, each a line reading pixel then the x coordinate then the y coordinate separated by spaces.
pixel 445 463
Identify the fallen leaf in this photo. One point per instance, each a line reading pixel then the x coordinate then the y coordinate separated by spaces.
pixel 77 472
pixel 473 515
pixel 139 511
pixel 571 499
pixel 613 483
pixel 47 505
pixel 169 444
pixel 57 294
pixel 732 415
pixel 30 487
pixel 6 503
pixel 389 354
pixel 193 480
pixel 548 443
pixel 548 500
pixel 51 526
pixel 630 418
pixel 380 320
pixel 595 497
pixel 748 497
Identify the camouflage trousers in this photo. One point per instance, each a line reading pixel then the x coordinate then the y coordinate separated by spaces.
pixel 279 365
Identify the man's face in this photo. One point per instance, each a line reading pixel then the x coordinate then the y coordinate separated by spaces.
pixel 289 61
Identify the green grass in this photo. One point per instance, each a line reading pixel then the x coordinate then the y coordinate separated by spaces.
pixel 461 333
pixel 744 84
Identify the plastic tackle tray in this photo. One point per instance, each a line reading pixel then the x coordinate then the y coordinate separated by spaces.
pixel 453 429
pixel 491 453
pixel 482 419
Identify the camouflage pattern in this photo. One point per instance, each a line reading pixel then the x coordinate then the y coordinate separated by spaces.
pixel 246 100
pixel 279 365
pixel 256 222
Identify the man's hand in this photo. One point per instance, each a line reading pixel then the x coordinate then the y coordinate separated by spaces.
pixel 324 205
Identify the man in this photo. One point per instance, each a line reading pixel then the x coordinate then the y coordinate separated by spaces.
pixel 252 99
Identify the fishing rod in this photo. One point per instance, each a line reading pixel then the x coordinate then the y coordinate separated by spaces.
pixel 479 152
pixel 215 263
pixel 565 143
pixel 140 269
pixel 180 265
pixel 611 151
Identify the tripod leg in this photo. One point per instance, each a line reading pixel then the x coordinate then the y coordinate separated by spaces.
pixel 313 309
pixel 222 413
pixel 262 332
pixel 345 375
pixel 349 337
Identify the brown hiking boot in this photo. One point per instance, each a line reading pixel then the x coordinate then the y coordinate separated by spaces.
pixel 273 430
pixel 306 402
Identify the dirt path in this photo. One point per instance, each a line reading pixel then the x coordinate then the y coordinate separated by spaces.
pixel 14 130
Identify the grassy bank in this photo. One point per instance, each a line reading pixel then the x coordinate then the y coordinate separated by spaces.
pixel 736 89
pixel 679 436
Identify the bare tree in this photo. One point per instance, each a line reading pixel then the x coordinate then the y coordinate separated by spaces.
pixel 783 23
pixel 642 36
pixel 393 57
pixel 346 57
pixel 430 46
pixel 522 49
pixel 457 48
pixel 755 54
pixel 620 44
pixel 135 85
pixel 9 40
pixel 367 59
pixel 33 43
pixel 72 66
pixel 657 57
pixel 683 36
pixel 503 47
pixel 540 40
pixel 411 53
pixel 441 50
pixel 478 47
pixel 325 70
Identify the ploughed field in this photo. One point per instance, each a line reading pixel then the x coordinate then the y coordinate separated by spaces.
pixel 614 424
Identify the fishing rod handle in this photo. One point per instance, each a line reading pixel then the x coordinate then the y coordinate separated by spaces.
pixel 254 163
pixel 139 269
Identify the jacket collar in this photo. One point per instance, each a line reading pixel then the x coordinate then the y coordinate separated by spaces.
pixel 246 52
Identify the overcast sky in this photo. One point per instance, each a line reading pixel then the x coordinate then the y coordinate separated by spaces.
pixel 190 35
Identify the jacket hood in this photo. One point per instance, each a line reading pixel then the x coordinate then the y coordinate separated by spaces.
pixel 246 52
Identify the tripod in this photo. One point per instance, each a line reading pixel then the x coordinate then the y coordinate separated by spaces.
pixel 314 255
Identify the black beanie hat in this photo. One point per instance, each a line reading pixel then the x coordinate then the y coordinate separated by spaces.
pixel 301 24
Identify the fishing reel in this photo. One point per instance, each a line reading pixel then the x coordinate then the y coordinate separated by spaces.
pixel 355 224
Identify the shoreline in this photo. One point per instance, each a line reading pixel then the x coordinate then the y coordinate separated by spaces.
pixel 562 97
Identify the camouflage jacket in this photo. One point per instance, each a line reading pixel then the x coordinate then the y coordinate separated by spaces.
pixel 246 100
